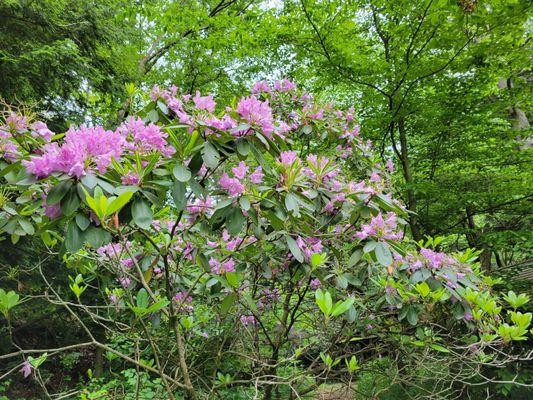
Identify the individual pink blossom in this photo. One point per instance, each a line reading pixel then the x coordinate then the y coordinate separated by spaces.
pixel 389 165
pixel 257 176
pixel 200 205
pixel 284 85
pixel 247 320
pixel 221 268
pixel 309 246
pixel 318 115
pixel 51 211
pixel 183 300
pixel 125 281
pixel 26 369
pixel 113 298
pixel 233 186
pixel 240 170
pixel 204 102
pixel 113 249
pixel 287 158
pixel 131 178
pixel 261 87
pixel 39 129
pixel 315 283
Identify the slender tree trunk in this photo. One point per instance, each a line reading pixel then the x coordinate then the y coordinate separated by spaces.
pixel 475 240
pixel 407 174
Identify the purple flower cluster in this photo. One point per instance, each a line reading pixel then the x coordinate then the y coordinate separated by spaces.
pixel 309 246
pixel 235 186
pixel 256 113
pixel 14 125
pixel 183 301
pixel 88 148
pixel 82 149
pixel 220 268
pixel 144 138
pixel 247 320
pixel 381 228
pixel 287 158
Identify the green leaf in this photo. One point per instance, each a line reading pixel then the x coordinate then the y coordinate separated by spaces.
pixel 341 307
pixel 210 155
pixel 153 116
pixel 97 237
pixel 383 254
pixel 292 204
pixel 73 237
pixel 179 190
pixel 163 107
pixel 245 203
pixel 26 226
pixel 412 315
pixel 318 259
pixel 142 214
pixel 324 301
pixel 227 303
pixel 82 221
pixel 235 221
pixel 89 181
pixel 8 300
pixel 354 258
pixel 234 278
pixel 294 249
pixel 59 191
pixel 70 203
pixel 243 147
pixel 119 202
pixel 439 348
pixel 181 173
pixel 423 289
pixel 142 299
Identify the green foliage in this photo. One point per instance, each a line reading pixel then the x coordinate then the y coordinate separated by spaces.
pixel 8 300
pixel 441 87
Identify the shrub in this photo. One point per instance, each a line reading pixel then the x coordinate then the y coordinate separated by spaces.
pixel 257 248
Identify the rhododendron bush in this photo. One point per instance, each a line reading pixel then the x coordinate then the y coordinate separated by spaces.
pixel 256 244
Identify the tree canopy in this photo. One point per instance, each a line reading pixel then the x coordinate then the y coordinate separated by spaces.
pixel 244 199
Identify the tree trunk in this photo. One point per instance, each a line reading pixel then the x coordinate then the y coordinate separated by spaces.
pixel 406 168
pixel 475 240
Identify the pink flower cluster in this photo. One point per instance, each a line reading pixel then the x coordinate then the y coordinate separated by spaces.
pixel 87 148
pixel 15 124
pixel 287 158
pixel 144 138
pixel 220 268
pixel 235 186
pixel 247 320
pixel 200 206
pixel 256 113
pixel 183 301
pixel 204 102
pixel 381 228
pixel 113 250
pixel 82 148
pixel 309 246
pixel 8 149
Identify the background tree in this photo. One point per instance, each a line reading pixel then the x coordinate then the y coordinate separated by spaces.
pixel 426 80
